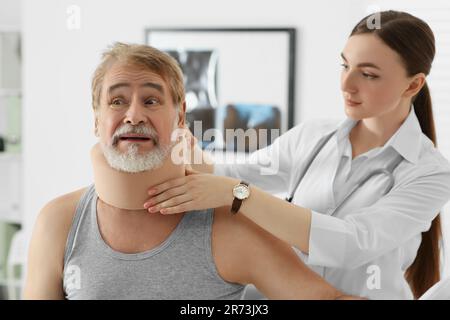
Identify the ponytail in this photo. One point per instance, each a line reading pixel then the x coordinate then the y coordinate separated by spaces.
pixel 424 112
pixel 425 270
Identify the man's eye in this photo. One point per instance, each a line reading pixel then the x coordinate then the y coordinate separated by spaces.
pixel 117 102
pixel 344 66
pixel 152 101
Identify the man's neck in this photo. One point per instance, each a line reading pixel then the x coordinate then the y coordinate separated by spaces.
pixel 128 191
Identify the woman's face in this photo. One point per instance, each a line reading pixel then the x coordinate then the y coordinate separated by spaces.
pixel 374 81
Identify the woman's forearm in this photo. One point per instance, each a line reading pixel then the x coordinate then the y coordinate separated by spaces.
pixel 286 221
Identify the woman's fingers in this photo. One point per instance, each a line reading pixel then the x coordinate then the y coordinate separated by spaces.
pixel 165 195
pixel 184 207
pixel 173 203
pixel 195 191
pixel 166 185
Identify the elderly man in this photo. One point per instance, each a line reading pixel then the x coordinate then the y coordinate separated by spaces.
pixel 85 247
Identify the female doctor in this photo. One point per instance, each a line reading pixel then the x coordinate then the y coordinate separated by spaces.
pixel 366 193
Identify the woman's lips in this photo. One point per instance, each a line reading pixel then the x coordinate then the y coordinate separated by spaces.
pixel 352 103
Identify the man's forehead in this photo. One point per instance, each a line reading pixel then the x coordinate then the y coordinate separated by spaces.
pixel 130 74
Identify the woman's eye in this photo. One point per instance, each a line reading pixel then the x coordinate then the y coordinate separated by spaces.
pixel 369 76
pixel 365 74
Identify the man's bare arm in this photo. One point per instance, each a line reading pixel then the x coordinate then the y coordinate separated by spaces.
pixel 46 252
pixel 245 253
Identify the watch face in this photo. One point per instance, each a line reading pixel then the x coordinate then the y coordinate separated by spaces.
pixel 241 192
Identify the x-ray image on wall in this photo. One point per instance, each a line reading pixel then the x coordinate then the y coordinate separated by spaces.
pixel 200 76
pixel 235 78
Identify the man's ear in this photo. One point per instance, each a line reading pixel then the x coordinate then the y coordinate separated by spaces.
pixel 415 84
pixel 96 127
pixel 182 115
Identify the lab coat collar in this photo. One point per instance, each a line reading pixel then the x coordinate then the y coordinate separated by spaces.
pixel 406 140
pixel 344 128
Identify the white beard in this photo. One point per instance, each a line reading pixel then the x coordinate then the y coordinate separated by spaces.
pixel 131 161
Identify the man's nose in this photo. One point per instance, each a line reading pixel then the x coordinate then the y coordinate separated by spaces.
pixel 135 114
pixel 348 83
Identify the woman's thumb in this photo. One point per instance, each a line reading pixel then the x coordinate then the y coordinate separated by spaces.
pixel 189 171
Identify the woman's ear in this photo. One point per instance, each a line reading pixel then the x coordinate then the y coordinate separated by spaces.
pixel 416 83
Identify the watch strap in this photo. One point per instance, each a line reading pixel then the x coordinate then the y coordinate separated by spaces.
pixel 236 205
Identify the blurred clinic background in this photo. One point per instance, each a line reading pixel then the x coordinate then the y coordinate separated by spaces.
pixel 247 64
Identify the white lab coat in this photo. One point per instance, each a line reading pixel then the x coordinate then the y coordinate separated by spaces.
pixel 365 247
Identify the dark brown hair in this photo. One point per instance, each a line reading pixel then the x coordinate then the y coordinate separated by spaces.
pixel 414 41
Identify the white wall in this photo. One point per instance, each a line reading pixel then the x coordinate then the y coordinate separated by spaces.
pixel 9 21
pixel 9 14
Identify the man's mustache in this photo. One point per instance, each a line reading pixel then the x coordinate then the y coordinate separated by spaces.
pixel 141 129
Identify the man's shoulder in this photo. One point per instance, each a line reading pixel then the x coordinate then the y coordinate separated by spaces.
pixel 229 243
pixel 58 213
pixel 47 247
pixel 240 246
pixel 236 227
pixel 51 230
pixel 223 218
pixel 66 200
pixel 231 231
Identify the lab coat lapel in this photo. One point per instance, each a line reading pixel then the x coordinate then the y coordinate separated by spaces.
pixel 316 188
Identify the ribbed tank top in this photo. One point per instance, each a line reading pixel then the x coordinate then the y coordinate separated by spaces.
pixel 181 267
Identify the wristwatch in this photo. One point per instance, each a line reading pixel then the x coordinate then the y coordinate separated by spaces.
pixel 241 192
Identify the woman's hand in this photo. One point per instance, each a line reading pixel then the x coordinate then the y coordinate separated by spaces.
pixel 195 191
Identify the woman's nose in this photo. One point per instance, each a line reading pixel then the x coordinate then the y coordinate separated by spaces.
pixel 348 82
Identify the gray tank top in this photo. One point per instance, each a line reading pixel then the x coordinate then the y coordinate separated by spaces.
pixel 182 267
